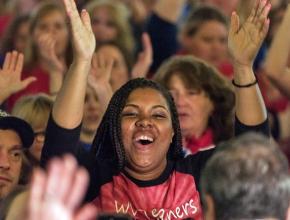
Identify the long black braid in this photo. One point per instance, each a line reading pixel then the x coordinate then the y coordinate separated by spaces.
pixel 108 142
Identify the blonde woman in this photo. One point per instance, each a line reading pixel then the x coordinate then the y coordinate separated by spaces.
pixel 35 110
pixel 48 52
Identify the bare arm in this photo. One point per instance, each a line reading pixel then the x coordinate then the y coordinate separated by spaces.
pixel 244 43
pixel 278 55
pixel 69 104
pixel 169 10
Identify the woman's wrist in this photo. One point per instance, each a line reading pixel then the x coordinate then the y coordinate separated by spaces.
pixel 243 74
pixel 250 84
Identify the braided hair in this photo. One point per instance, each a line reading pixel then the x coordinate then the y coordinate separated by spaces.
pixel 108 142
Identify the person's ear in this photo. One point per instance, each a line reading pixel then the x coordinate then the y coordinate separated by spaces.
pixel 209 212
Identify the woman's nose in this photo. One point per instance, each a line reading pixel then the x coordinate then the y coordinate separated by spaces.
pixel 144 122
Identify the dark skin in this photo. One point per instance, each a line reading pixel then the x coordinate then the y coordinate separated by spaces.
pixel 146 117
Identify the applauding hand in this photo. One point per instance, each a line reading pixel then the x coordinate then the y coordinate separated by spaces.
pixel 141 67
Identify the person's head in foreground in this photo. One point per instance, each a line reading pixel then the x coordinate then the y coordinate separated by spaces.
pixel 246 178
pixel 141 123
pixel 15 136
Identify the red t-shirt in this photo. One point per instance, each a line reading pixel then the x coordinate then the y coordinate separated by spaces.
pixel 176 198
pixel 4 22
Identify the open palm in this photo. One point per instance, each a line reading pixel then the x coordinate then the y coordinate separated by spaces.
pixel 10 74
pixel 84 42
pixel 245 40
pixel 51 199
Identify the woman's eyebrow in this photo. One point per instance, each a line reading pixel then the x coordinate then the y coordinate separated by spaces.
pixel 160 106
pixel 131 105
pixel 16 147
pixel 154 107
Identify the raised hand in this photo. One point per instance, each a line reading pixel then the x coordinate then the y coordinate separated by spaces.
pixel 141 67
pixel 84 42
pixel 245 40
pixel 52 199
pixel 72 92
pixel 10 75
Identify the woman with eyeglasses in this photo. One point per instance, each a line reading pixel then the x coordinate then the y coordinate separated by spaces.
pixel 35 110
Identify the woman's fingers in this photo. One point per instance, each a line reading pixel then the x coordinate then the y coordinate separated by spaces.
pixel 263 20
pixel 83 37
pixel 86 19
pixel 13 61
pixel 36 194
pixel 58 193
pixel 259 10
pixel 70 167
pixel 73 14
pixel 78 188
pixel 7 61
pixel 235 23
pixel 27 81
pixel 55 170
pixel 68 6
pixel 19 64
pixel 252 15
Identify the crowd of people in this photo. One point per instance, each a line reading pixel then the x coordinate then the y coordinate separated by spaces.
pixel 144 109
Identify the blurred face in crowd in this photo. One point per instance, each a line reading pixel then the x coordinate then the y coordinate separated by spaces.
pixel 194 107
pixel 92 112
pixel 275 3
pixel 146 132
pixel 10 161
pixel 21 36
pixel 208 43
pixel 120 72
pixel 276 19
pixel 224 5
pixel 103 25
pixel 275 22
pixel 54 24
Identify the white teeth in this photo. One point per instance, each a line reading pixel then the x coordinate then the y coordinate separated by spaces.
pixel 144 138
